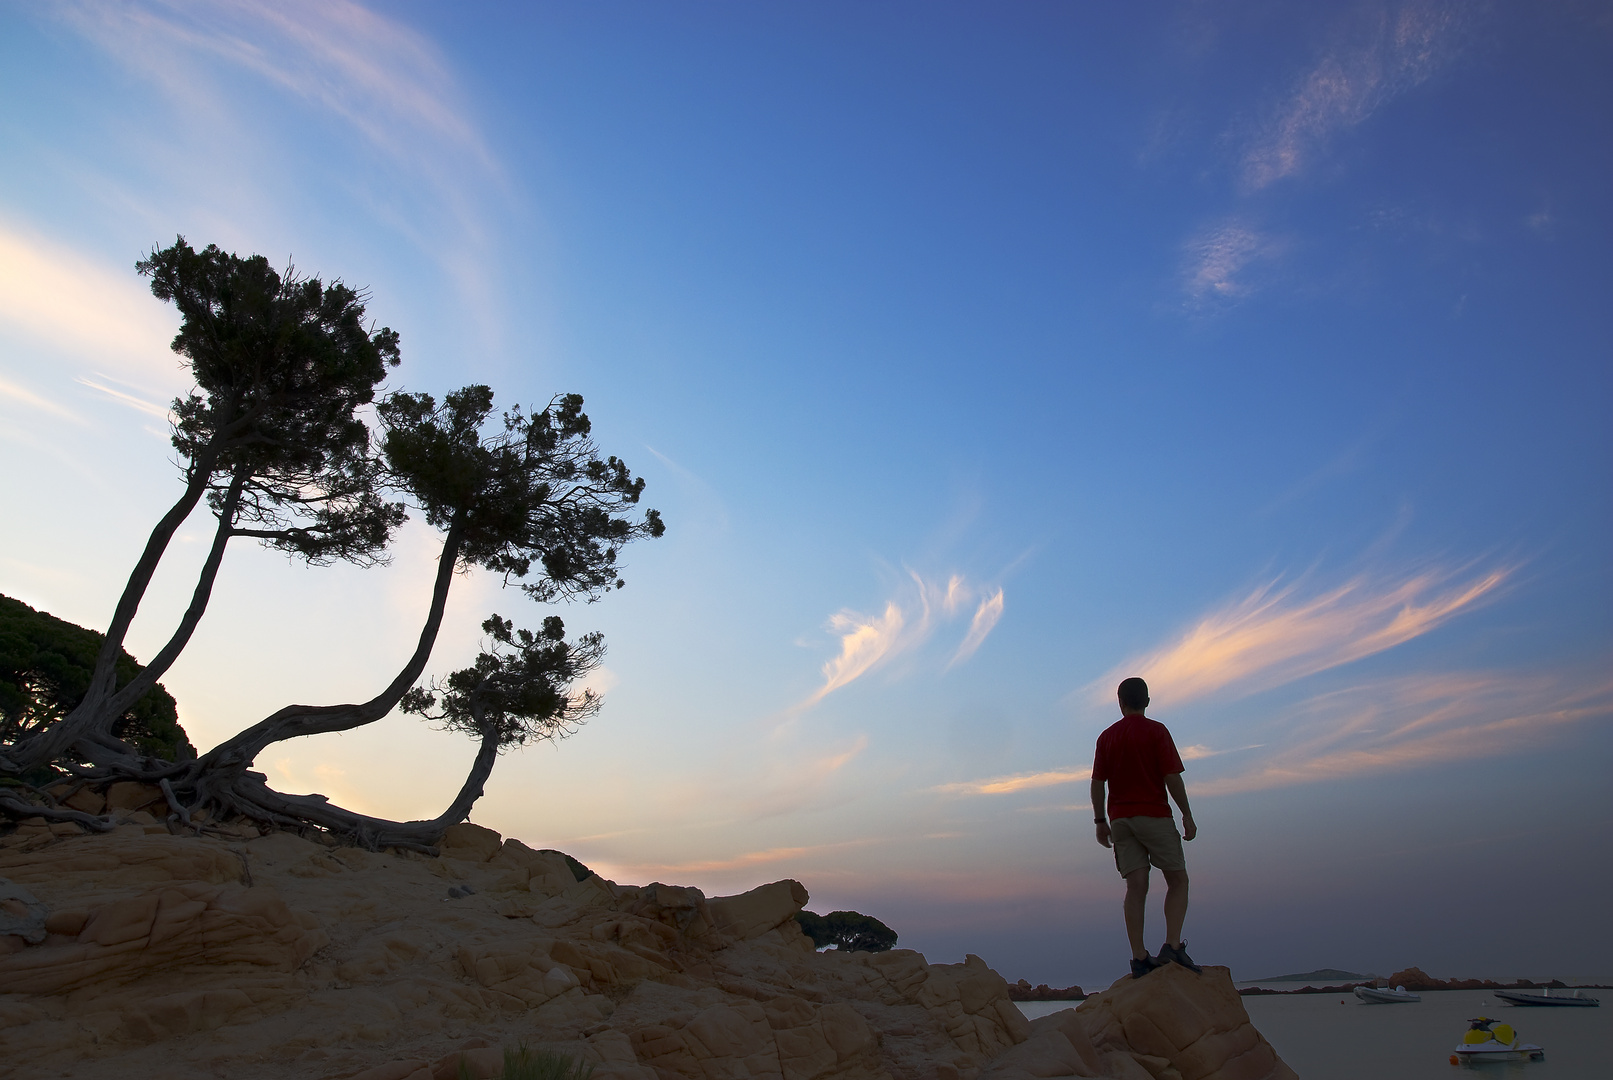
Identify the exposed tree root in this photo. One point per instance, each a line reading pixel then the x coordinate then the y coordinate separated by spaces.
pixel 21 808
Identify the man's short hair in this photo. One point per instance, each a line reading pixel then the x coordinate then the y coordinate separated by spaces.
pixel 1133 694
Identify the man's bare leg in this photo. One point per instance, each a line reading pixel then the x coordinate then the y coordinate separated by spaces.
pixel 1175 906
pixel 1136 902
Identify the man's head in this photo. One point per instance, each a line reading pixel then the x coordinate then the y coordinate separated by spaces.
pixel 1133 696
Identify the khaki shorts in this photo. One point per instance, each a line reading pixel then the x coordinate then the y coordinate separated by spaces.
pixel 1139 841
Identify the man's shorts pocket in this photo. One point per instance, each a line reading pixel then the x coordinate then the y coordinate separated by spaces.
pixel 1139 841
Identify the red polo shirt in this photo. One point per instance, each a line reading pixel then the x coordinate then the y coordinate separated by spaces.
pixel 1135 754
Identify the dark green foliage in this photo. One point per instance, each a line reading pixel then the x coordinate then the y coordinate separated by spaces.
pixel 280 363
pixel 848 930
pixel 535 492
pixel 534 495
pixel 524 1064
pixel 578 870
pixel 45 666
pixel 518 687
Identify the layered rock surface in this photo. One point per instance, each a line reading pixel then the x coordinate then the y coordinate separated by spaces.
pixel 150 954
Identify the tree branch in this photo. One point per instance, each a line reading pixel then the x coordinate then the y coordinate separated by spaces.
pixel 251 795
pixel 236 753
pixel 90 713
pixel 23 809
pixel 147 677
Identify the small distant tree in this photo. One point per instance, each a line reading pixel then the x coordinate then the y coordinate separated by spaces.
pixel 850 931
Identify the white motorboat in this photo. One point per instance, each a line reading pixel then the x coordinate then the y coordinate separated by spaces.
pixel 1382 995
pixel 1520 997
pixel 1492 1040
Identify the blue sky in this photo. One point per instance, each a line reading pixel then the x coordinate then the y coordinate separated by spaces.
pixel 977 357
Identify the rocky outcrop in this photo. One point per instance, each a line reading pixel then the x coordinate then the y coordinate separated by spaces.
pixel 137 952
pixel 1176 1023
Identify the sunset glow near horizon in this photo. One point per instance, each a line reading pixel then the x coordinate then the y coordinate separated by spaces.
pixel 977 358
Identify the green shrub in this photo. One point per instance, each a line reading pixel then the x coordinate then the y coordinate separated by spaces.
pixel 45 666
pixel 524 1064
pixel 848 930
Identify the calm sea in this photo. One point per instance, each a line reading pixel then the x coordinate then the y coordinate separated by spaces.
pixel 1325 1040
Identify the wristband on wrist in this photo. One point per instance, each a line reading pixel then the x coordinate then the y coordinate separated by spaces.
pixel 1100 821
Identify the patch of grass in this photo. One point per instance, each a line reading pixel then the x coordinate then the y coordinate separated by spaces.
pixel 525 1064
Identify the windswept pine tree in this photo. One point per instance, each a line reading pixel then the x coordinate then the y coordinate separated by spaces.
pixel 273 441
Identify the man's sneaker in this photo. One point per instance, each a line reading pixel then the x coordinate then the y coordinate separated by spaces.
pixel 1142 967
pixel 1175 954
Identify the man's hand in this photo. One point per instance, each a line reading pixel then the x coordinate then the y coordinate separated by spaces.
pixel 1098 815
pixel 1173 784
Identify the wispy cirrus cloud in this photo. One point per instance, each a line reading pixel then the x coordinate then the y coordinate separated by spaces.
pixel 67 309
pixel 38 402
pixel 1199 752
pixel 985 619
pixel 132 401
pixel 79 305
pixel 1029 781
pixel 867 642
pixel 1279 633
pixel 1383 53
pixel 435 179
pixel 1215 260
pixel 1014 782
pixel 1421 720
pixel 387 81
pixel 796 782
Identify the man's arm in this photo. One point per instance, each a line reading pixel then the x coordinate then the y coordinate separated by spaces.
pixel 1100 818
pixel 1173 784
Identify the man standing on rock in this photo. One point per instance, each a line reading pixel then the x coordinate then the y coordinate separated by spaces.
pixel 1138 760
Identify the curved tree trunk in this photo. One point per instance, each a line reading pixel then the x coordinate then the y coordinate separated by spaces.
pixel 134 590
pixel 158 665
pixel 251 796
pixel 88 727
pixel 222 766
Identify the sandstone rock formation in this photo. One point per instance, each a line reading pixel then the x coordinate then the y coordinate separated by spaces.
pixel 140 953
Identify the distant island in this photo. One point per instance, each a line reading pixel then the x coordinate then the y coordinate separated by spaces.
pixel 1412 978
pixel 1313 976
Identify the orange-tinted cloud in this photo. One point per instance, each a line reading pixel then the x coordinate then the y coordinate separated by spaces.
pixel 1015 782
pixel 1007 785
pixel 794 781
pixel 986 616
pixel 908 620
pixel 865 642
pixel 1418 721
pixel 82 306
pixel 1277 634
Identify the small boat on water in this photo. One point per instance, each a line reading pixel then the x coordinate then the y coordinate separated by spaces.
pixel 1382 995
pixel 1492 1040
pixel 1523 997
